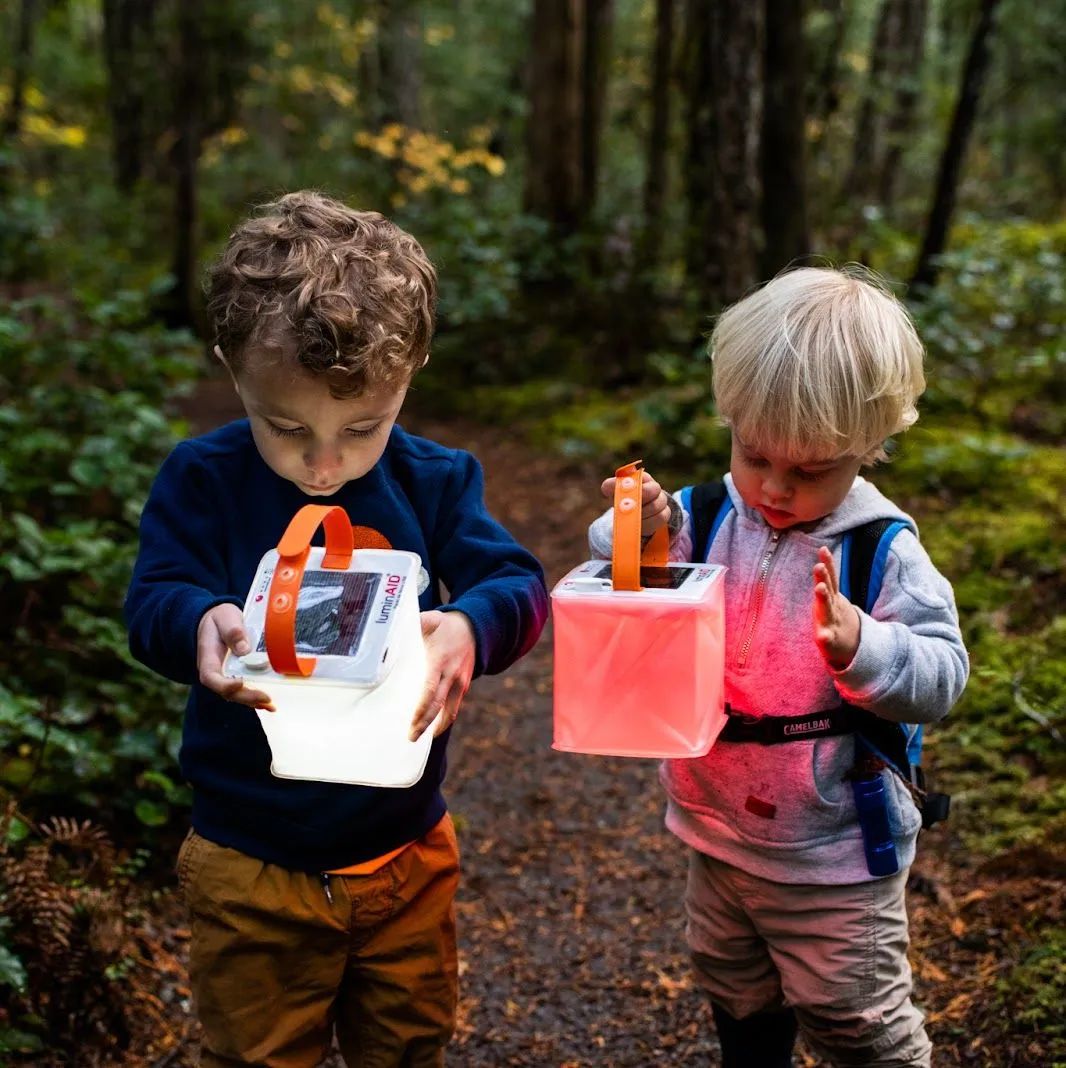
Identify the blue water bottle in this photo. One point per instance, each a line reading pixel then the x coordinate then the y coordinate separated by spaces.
pixel 872 806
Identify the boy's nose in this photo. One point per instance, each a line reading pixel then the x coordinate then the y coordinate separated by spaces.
pixel 323 463
pixel 776 489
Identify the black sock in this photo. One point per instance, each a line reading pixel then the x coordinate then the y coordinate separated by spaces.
pixel 764 1040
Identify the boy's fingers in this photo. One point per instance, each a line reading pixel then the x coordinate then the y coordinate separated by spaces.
pixel 607 487
pixel 236 639
pixel 435 696
pixel 649 490
pixel 451 708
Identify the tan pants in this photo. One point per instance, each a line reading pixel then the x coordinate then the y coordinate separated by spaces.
pixel 276 966
pixel 836 954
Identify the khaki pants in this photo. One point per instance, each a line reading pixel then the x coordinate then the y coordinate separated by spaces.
pixel 276 967
pixel 836 954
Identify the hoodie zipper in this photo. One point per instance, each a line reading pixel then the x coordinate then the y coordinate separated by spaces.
pixel 760 594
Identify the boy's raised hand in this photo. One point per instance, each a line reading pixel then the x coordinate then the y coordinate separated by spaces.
pixel 450 647
pixel 221 630
pixel 836 619
pixel 655 505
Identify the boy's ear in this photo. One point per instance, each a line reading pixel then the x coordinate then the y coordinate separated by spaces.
pixel 222 360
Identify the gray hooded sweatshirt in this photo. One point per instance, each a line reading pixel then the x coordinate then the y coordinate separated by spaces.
pixel 786 812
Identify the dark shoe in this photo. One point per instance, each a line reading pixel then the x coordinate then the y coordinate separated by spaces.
pixel 764 1040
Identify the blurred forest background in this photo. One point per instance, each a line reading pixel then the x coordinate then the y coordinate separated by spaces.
pixel 594 179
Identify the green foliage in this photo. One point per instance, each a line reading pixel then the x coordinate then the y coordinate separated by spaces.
pixel 81 434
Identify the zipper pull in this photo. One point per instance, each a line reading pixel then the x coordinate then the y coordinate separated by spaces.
pixel 325 886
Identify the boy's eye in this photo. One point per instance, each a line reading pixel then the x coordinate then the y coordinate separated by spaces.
pixel 812 476
pixel 369 432
pixel 754 461
pixel 284 432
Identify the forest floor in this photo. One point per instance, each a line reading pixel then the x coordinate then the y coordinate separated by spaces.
pixel 570 908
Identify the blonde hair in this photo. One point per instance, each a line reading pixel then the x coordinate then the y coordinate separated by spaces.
pixel 347 293
pixel 818 361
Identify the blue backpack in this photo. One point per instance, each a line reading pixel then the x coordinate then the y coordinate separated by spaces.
pixel 864 552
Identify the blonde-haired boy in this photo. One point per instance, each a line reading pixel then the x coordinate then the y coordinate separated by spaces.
pixel 320 907
pixel 788 919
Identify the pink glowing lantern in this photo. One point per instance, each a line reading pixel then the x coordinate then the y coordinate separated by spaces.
pixel 639 646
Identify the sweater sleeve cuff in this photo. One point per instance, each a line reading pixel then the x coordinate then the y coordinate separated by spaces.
pixel 484 615
pixel 188 610
pixel 873 667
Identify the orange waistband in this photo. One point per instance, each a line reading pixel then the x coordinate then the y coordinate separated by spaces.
pixel 368 867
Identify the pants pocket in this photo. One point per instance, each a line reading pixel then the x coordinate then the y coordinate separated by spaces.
pixel 190 855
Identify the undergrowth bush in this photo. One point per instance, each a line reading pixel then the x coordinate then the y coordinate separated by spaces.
pixel 84 730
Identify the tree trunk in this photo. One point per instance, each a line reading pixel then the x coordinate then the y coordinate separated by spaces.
pixel 595 60
pixel 554 175
pixel 20 73
pixel 400 62
pixel 125 41
pixel 784 138
pixel 962 122
pixel 658 137
pixel 866 147
pixel 724 41
pixel 825 93
pixel 182 306
pixel 908 79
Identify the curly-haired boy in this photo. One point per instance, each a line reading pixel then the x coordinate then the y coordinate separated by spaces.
pixel 320 907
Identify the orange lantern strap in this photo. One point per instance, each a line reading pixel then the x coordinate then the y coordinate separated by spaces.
pixel 294 549
pixel 626 557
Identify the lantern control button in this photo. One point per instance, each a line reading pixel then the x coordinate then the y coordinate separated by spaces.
pixel 256 661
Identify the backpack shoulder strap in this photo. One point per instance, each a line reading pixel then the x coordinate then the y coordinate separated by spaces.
pixel 707 505
pixel 863 554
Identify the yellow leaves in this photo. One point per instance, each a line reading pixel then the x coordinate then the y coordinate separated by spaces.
pixel 341 92
pixel 429 162
pixel 233 135
pixel 42 129
pixel 282 49
pixel 301 80
pixel 46 131
pixel 437 35
pixel 857 61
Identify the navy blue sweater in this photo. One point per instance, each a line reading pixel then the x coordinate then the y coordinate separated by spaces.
pixel 214 510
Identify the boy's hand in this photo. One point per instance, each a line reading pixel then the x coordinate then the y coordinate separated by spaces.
pixel 655 505
pixel 836 619
pixel 221 630
pixel 450 647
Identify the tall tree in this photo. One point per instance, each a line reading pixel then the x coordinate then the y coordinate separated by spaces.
pixel 210 65
pixel 724 40
pixel 553 176
pixel 189 128
pixel 659 133
pixel 596 47
pixel 783 157
pixel 20 71
pixel 908 79
pixel 129 55
pixel 400 32
pixel 569 47
pixel 825 92
pixel 866 148
pixel 974 71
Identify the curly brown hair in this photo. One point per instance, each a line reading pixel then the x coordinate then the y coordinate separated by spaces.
pixel 347 293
